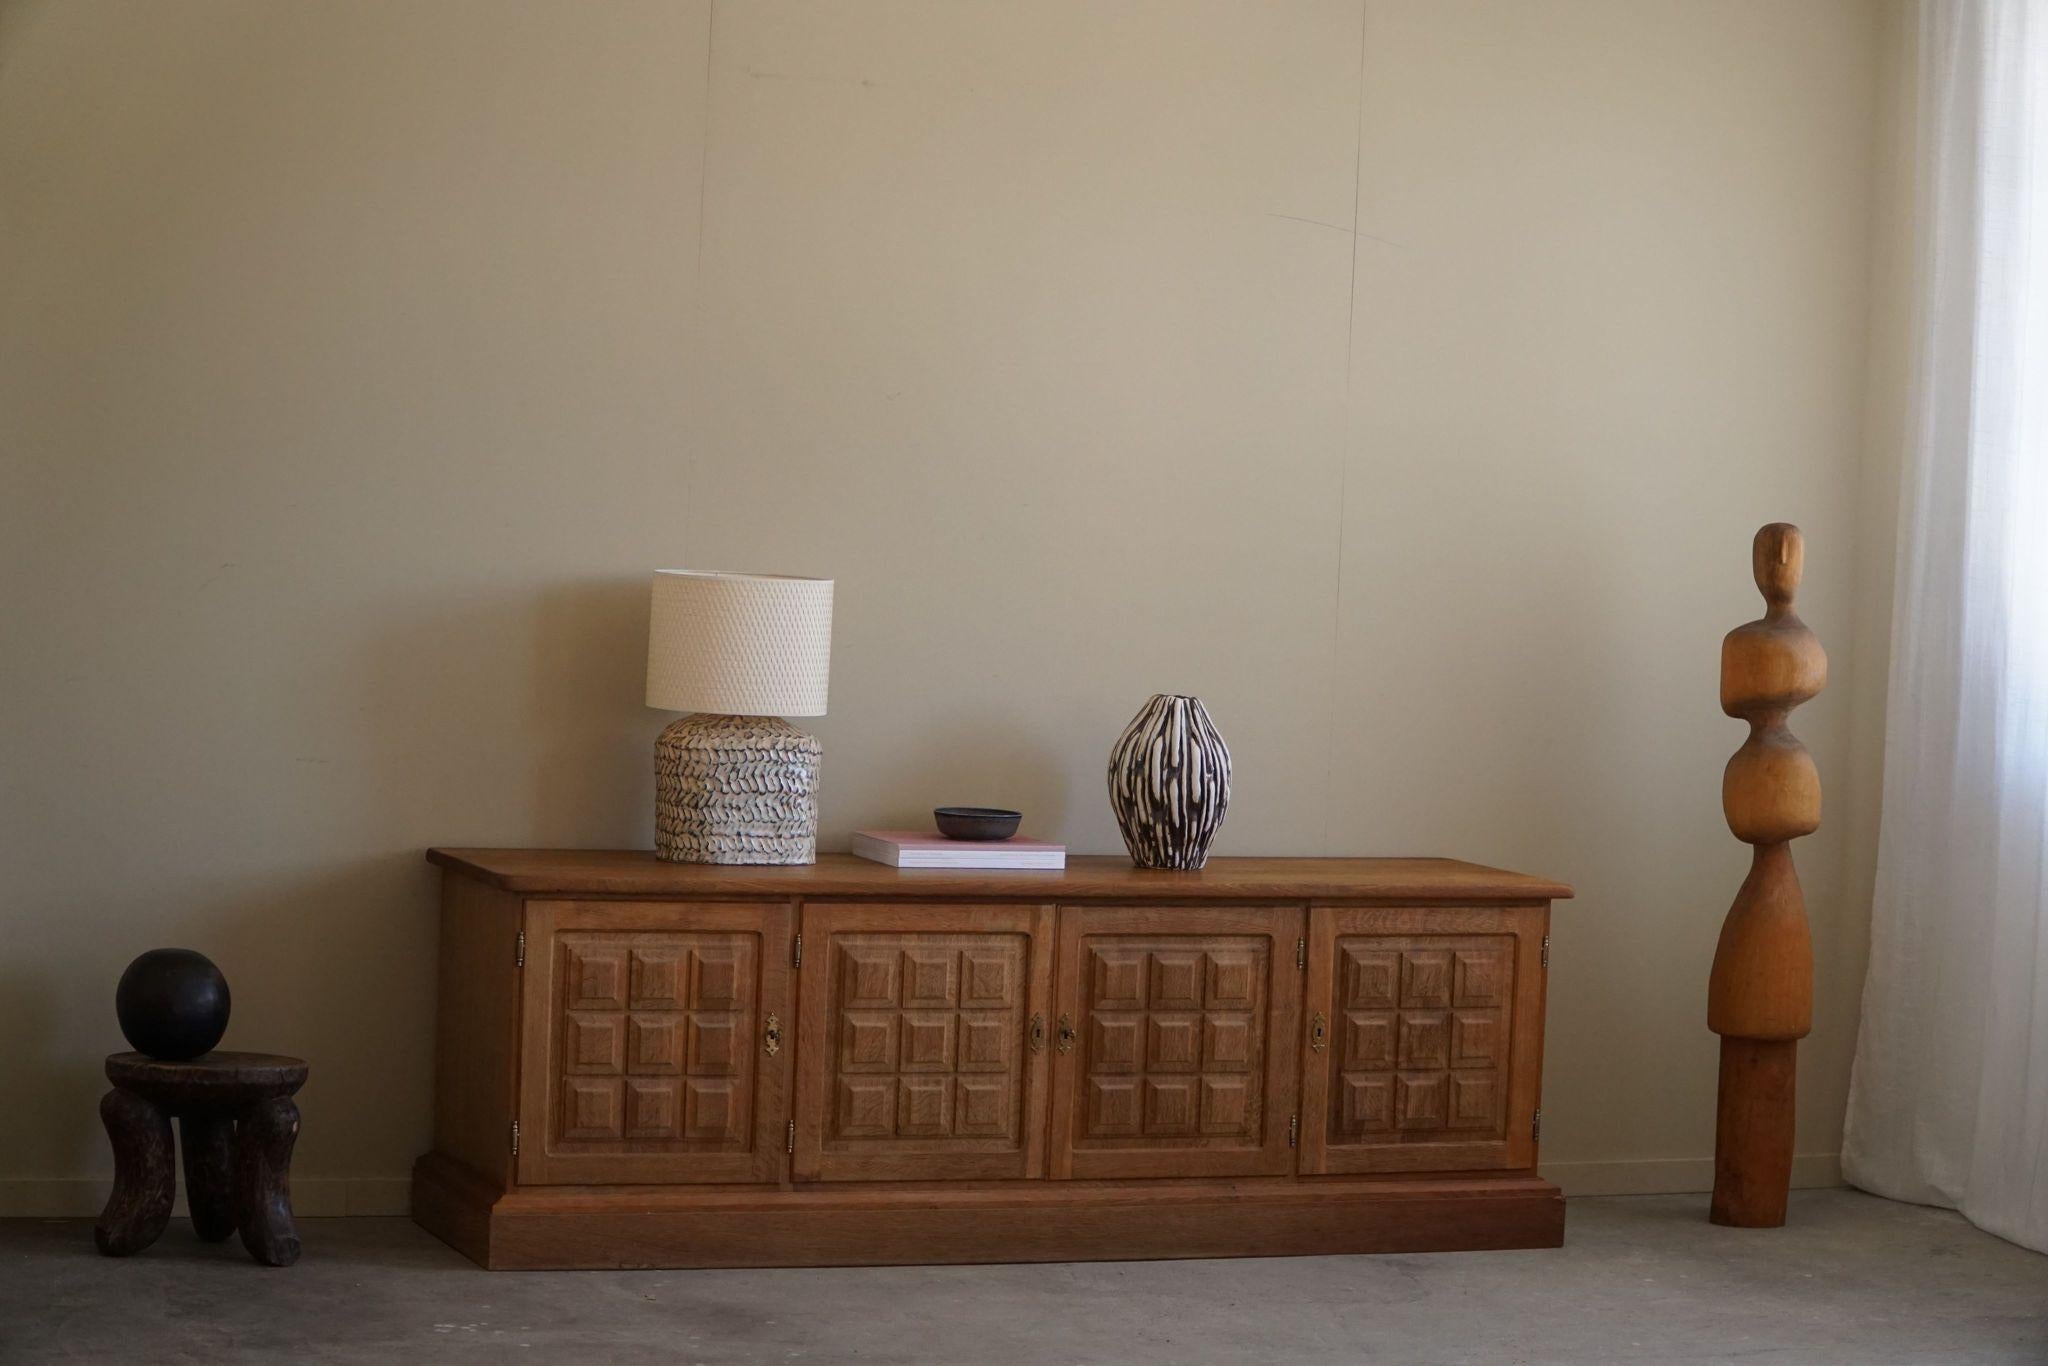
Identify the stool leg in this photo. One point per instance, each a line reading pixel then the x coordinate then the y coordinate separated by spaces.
pixel 209 1144
pixel 144 1179
pixel 263 1181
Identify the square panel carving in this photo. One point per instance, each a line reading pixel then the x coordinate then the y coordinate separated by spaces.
pixel 593 1107
pixel 988 979
pixel 930 977
pixel 596 977
pixel 1425 978
pixel 1476 1039
pixel 868 979
pixel 654 1043
pixel 657 977
pixel 985 1039
pixel 713 1109
pixel 1113 1106
pixel 653 1107
pixel 867 1041
pixel 924 1108
pixel 1475 1102
pixel 1117 1043
pixel 1368 1040
pixel 1480 978
pixel 1227 1042
pixel 1226 1104
pixel 651 1038
pixel 1174 1036
pixel 1117 979
pixel 979 1108
pixel 1421 1101
pixel 715 1044
pixel 1368 1104
pixel 928 1031
pixel 1176 980
pixel 1174 1043
pixel 717 984
pixel 1425 1039
pixel 1170 1105
pixel 928 1041
pixel 1368 977
pixel 1233 981
pixel 867 1107
pixel 593 1044
pixel 1421 1037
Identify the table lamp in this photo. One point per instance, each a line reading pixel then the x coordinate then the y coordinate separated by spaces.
pixel 734 782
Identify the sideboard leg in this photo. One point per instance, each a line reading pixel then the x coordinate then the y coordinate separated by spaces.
pixel 263 1187
pixel 144 1179
pixel 209 1144
pixel 1753 1132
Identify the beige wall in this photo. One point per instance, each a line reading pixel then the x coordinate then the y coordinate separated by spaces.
pixel 1406 381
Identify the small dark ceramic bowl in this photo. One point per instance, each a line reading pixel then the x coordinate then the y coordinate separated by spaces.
pixel 976 822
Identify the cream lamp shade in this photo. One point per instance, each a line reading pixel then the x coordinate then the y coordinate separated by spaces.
pixel 739 644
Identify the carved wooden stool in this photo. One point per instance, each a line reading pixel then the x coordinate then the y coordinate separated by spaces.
pixel 238 1122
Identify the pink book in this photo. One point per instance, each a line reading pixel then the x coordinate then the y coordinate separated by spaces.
pixel 919 849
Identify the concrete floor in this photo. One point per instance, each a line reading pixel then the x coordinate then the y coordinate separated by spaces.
pixel 1641 1279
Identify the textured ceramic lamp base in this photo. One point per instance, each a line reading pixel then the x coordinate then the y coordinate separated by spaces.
pixel 736 789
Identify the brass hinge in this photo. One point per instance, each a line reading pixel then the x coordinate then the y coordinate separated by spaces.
pixel 796 953
pixel 1301 954
pixel 1546 950
pixel 1293 1130
pixel 789 1143
pixel 519 958
pixel 515 1138
pixel 1536 1127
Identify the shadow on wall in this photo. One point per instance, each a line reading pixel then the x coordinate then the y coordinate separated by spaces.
pixel 507 718
pixel 513 717
pixel 593 779
pixel 35 1074
pixel 335 966
pixel 338 968
pixel 972 758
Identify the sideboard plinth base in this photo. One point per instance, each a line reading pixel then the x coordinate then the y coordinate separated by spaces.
pixel 589 1227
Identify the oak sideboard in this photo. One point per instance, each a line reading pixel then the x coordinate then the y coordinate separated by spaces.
pixel 642 1063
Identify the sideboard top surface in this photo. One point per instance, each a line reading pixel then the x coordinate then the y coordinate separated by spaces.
pixel 636 872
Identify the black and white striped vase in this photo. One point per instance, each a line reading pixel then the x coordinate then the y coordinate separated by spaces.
pixel 1169 783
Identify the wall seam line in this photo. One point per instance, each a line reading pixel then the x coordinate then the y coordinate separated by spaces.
pixel 697 283
pixel 1344 442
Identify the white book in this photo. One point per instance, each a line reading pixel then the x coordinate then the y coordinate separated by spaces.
pixel 916 849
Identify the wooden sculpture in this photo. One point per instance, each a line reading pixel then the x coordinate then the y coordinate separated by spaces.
pixel 1760 997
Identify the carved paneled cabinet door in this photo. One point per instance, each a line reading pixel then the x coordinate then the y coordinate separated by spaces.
pixel 664 1029
pixel 922 1044
pixel 1424 1039
pixel 1175 1041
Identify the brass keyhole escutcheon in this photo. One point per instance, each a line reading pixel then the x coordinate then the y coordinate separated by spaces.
pixel 1318 1031
pixel 1036 1034
pixel 1066 1034
pixel 771 1037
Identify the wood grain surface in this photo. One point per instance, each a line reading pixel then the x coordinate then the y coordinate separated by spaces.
pixel 630 873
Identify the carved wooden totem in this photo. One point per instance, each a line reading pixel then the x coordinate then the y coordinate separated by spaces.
pixel 1760 996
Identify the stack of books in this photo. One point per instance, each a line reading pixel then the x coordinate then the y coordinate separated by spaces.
pixel 916 849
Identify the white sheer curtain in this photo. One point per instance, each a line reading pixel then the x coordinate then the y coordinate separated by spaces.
pixel 1949 1103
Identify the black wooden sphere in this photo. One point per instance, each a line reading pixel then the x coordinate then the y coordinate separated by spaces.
pixel 172 1004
